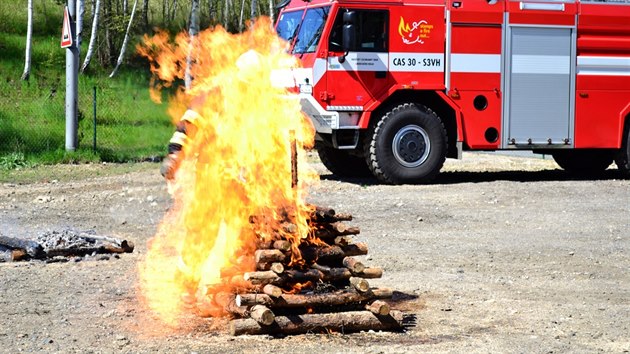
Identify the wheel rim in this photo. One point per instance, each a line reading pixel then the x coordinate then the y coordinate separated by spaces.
pixel 411 146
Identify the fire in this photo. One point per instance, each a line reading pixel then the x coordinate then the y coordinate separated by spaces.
pixel 235 167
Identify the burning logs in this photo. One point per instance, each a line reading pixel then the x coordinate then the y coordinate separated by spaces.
pixel 323 287
pixel 50 245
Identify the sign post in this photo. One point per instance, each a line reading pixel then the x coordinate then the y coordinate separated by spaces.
pixel 72 72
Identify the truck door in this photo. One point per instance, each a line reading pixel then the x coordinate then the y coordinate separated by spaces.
pixel 540 74
pixel 358 78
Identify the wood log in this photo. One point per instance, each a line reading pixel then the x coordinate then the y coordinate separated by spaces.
pixel 115 244
pixel 342 240
pixel 359 284
pixel 313 300
pixel 261 278
pixel 272 290
pixel 370 273
pixel 262 315
pixel 32 248
pixel 378 307
pixel 326 215
pixel 275 267
pixel 288 227
pixel 355 249
pixel 269 256
pixel 296 276
pixel 321 254
pixel 282 245
pixel 344 322
pixel 227 301
pixel 353 265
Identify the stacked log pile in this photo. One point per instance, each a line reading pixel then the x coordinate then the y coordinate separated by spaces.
pixel 327 290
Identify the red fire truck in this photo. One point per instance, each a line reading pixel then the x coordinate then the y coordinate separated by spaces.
pixel 394 87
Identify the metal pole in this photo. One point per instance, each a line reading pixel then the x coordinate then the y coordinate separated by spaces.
pixel 72 83
pixel 94 106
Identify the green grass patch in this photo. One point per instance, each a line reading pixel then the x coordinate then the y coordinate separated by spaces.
pixel 129 126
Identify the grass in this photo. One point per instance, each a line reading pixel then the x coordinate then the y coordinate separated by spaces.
pixel 129 126
pixel 71 172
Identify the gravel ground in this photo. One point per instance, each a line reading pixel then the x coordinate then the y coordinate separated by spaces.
pixel 501 254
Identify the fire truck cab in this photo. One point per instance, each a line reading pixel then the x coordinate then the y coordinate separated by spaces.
pixel 394 87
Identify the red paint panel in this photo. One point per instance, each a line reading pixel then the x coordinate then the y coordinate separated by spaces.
pixel 599 120
pixel 607 83
pixel 475 122
pixel 476 81
pixel 477 40
pixel 480 12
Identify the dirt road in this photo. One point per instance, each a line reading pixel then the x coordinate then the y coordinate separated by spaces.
pixel 501 254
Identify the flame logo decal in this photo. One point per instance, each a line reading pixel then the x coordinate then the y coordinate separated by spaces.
pixel 414 32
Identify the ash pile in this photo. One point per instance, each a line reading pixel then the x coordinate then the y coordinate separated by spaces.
pixel 62 246
pixel 327 290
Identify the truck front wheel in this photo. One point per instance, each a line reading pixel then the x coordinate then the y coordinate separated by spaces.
pixel 342 163
pixel 622 160
pixel 583 162
pixel 407 145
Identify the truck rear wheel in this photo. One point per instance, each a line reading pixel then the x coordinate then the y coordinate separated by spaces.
pixel 407 145
pixel 342 163
pixel 622 160
pixel 583 162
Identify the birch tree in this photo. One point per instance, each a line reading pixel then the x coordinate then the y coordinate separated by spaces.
pixel 226 9
pixel 93 33
pixel 271 10
pixel 145 14
pixel 193 30
pixel 125 41
pixel 80 11
pixel 29 39
pixel 240 19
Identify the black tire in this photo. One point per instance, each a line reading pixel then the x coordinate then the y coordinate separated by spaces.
pixel 622 160
pixel 407 145
pixel 343 163
pixel 583 162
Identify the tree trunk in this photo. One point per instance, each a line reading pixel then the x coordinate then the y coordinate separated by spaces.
pixel 80 11
pixel 193 30
pixel 253 10
pixel 226 9
pixel 93 34
pixel 174 10
pixel 271 10
pixel 145 14
pixel 125 41
pixel 29 39
pixel 240 20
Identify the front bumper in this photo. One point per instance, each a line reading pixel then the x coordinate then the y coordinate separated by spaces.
pixel 324 121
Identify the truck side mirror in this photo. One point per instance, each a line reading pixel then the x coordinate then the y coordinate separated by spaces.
pixel 349 33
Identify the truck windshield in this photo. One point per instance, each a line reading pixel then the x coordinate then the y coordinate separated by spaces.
pixel 308 30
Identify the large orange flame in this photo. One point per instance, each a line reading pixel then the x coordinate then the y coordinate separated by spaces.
pixel 237 165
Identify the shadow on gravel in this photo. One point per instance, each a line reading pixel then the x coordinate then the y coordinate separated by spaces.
pixel 481 177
